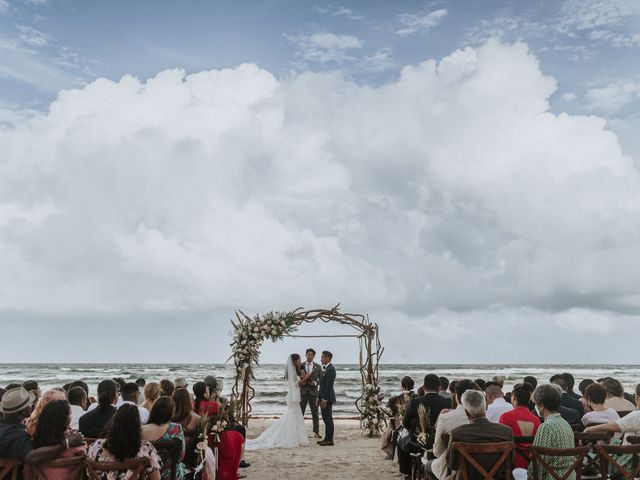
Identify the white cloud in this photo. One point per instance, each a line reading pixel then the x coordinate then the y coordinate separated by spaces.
pixel 415 23
pixel 32 37
pixel 379 61
pixel 4 6
pixel 449 200
pixel 569 97
pixel 338 11
pixel 326 47
pixel 613 97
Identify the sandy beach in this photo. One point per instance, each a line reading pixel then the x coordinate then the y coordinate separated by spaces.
pixel 353 457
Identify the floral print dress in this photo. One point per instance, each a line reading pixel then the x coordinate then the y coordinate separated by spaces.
pixel 174 432
pixel 98 453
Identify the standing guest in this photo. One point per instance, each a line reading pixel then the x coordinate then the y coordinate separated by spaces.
pixel 444 387
pixel 49 396
pixel 202 403
pixel 160 428
pixel 32 386
pixel 496 403
pixel 130 395
pixel 309 389
pixel 444 426
pixel 52 427
pixel 554 432
pixel 595 395
pixel 92 424
pixel 151 394
pixel 77 398
pixel 123 442
pixel 15 442
pixel 166 388
pixel 615 396
pixel 478 430
pixel 521 421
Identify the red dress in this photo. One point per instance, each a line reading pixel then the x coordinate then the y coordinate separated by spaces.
pixel 513 419
pixel 208 407
pixel 229 455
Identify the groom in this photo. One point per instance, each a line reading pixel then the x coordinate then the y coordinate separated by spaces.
pixel 327 397
pixel 309 389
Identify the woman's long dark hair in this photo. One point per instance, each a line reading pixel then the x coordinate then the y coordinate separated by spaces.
pixel 162 411
pixel 199 391
pixel 107 391
pixel 123 435
pixel 183 407
pixel 52 424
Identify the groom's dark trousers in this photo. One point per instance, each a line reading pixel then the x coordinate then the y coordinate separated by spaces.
pixel 327 393
pixel 327 418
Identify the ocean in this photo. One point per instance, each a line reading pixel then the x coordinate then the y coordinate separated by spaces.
pixel 270 386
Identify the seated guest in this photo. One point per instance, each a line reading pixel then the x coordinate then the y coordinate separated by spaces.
pixel 141 382
pixel 496 403
pixel 130 395
pixel 595 396
pixel 629 424
pixel 582 387
pixel 92 424
pixel 480 383
pixel 434 403
pixel 215 389
pixel 230 450
pixel 498 380
pixel 202 403
pixel 32 386
pixel 123 443
pixel 166 388
pixel 570 408
pixel 444 385
pixel 49 396
pixel 615 396
pixel 151 394
pixel 570 381
pixel 52 427
pixel 396 407
pixel 15 442
pixel 554 432
pixel 190 422
pixel 478 430
pixel 160 428
pixel 445 424
pixel 452 394
pixel 77 399
pixel 521 421
pixel 181 382
pixel 531 381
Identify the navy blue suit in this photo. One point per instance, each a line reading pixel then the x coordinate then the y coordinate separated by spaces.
pixel 327 392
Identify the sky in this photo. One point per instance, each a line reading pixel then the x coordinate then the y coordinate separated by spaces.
pixel 464 172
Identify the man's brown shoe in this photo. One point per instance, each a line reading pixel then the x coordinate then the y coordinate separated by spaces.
pixel 326 443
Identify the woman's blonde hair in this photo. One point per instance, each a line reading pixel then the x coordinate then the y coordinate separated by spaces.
pixel 151 394
pixel 48 396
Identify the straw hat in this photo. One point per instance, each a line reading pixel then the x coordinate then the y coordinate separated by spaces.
pixel 16 399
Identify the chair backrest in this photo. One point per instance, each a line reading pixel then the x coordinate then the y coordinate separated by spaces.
pixel 470 451
pixel 605 453
pixel 77 465
pixel 624 413
pixel 633 439
pixel 9 466
pixel 522 442
pixel 577 427
pixel 539 462
pixel 169 451
pixel 137 467
pixel 590 438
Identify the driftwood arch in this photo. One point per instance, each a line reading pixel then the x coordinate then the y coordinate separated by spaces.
pixel 250 333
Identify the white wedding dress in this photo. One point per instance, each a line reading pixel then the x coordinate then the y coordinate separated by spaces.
pixel 289 430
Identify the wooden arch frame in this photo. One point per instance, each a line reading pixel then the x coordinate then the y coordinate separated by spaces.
pixel 250 333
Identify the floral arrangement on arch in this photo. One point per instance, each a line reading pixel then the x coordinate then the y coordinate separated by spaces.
pixel 374 417
pixel 250 334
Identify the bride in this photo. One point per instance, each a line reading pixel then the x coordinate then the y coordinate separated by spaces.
pixel 289 430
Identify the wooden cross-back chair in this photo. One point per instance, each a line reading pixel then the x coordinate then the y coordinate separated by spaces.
pixel 137 467
pixel 9 468
pixel 522 442
pixel 592 465
pixel 77 472
pixel 169 451
pixel 607 452
pixel 538 461
pixel 633 439
pixel 469 451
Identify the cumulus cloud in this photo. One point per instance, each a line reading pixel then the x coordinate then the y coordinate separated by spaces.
pixel 414 23
pixel 446 198
pixel 338 11
pixel 613 97
pixel 326 47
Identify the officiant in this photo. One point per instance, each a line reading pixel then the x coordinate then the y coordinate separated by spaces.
pixel 311 372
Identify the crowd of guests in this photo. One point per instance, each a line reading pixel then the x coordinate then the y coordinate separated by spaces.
pixel 125 421
pixel 480 411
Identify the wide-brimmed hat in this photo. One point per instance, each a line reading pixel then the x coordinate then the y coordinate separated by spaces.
pixel 16 399
pixel 181 382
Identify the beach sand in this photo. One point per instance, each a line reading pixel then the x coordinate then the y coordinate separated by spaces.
pixel 353 457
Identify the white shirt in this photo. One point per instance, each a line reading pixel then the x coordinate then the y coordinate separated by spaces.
pixel 606 416
pixel 497 408
pixel 308 367
pixel 444 425
pixel 630 423
pixel 76 412
pixel 144 413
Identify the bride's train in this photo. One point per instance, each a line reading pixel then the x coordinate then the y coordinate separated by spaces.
pixel 289 430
